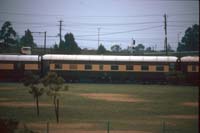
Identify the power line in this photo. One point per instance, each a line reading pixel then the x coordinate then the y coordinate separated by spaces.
pixel 111 33
pixel 111 24
pixel 28 14
pixel 111 16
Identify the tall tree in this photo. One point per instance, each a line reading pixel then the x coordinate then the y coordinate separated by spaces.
pixel 148 49
pixel 33 82
pixel 7 35
pixel 116 48
pixel 190 41
pixel 27 39
pixel 101 49
pixel 139 47
pixel 54 83
pixel 169 48
pixel 70 45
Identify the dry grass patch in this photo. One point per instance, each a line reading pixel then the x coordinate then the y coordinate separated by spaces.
pixel 7 88
pixel 111 97
pixel 3 99
pixel 74 128
pixel 62 125
pixel 23 104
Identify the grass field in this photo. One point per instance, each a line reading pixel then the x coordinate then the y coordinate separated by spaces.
pixel 88 107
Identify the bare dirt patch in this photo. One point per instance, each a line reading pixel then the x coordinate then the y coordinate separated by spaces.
pixel 190 104
pixel 22 104
pixel 181 116
pixel 111 97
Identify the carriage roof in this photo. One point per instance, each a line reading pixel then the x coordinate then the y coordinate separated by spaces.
pixel 20 58
pixel 110 58
pixel 190 59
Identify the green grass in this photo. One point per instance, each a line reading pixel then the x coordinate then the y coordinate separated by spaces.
pixel 160 100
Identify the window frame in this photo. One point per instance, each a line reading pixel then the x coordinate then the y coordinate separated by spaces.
pixel 58 66
pixel 88 66
pixel 114 67
pixel 128 68
pixel 143 66
pixel 160 68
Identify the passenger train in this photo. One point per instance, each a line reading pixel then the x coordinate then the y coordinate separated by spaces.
pixel 103 68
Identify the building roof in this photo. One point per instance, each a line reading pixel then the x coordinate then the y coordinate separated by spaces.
pixel 110 58
pixel 19 58
pixel 190 59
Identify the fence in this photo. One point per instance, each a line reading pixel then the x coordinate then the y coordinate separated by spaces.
pixel 99 127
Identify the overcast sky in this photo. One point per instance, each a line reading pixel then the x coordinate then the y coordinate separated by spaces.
pixel 119 20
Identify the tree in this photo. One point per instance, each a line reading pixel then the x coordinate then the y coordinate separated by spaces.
pixel 70 45
pixel 169 48
pixel 116 48
pixel 7 35
pixel 190 41
pixel 33 82
pixel 148 49
pixel 27 39
pixel 54 83
pixel 101 49
pixel 139 47
pixel 55 46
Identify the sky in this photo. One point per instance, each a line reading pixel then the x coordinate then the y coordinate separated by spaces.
pixel 116 21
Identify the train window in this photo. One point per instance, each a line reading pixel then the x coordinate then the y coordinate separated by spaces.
pixel 88 67
pixel 100 66
pixel 145 67
pixel 73 66
pixel 159 68
pixel 129 67
pixel 171 66
pixel 114 67
pixel 19 66
pixel 58 66
pixel 193 68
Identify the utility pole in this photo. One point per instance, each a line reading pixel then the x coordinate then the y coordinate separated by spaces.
pixel 45 37
pixel 98 36
pixel 165 27
pixel 60 29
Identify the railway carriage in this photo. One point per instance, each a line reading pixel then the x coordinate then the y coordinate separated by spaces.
pixel 103 68
pixel 190 67
pixel 106 68
pixel 13 67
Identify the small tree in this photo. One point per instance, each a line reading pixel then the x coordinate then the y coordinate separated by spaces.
pixel 33 82
pixel 54 84
pixel 101 49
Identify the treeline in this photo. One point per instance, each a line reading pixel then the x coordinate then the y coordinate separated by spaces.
pixel 10 42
